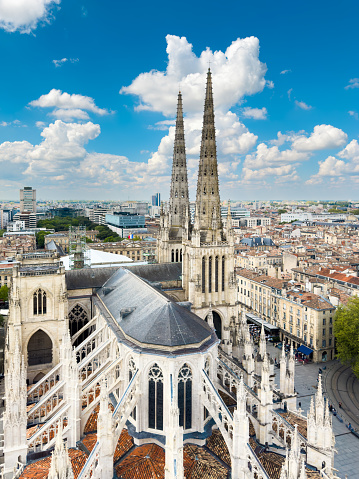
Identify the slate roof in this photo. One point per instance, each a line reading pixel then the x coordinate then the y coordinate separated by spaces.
pixel 88 277
pixel 158 272
pixel 149 316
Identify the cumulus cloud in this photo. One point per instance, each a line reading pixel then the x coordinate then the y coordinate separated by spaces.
pixel 59 63
pixel 76 105
pixel 24 15
pixel 353 83
pixel 266 156
pixel 157 90
pixel 255 113
pixel 303 105
pixel 333 167
pixel 324 137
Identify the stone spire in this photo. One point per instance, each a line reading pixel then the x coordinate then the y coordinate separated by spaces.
pixel 262 344
pixel 208 208
pixel 179 199
pixel 61 467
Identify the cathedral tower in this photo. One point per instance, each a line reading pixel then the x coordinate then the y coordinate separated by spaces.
pixel 175 221
pixel 208 257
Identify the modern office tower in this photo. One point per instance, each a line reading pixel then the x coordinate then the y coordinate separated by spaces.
pixel 27 200
pixel 156 199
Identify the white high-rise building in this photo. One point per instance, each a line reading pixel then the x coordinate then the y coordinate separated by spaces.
pixel 27 200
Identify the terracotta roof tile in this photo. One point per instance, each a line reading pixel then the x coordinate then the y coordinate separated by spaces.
pixel 218 446
pixel 40 469
pixel 144 462
pixel 124 444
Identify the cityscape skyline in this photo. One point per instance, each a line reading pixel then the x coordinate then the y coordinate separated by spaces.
pixel 97 118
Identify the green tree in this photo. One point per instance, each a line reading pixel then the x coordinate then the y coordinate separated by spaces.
pixel 346 331
pixel 2 320
pixel 2 233
pixel 282 211
pixel 40 238
pixel 4 293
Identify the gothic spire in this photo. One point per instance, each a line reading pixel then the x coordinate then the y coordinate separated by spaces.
pixel 179 199
pixel 208 209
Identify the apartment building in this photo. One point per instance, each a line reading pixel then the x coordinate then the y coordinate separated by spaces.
pixel 303 318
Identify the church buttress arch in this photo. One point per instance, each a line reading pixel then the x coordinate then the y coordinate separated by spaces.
pixel 39 349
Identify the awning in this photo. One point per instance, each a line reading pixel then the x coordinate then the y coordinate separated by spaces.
pixel 303 349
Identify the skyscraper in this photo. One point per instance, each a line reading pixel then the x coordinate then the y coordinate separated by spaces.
pixel 27 200
pixel 156 199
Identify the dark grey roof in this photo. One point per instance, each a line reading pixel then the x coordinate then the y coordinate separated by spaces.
pixel 150 317
pixel 257 241
pixel 88 277
pixel 158 272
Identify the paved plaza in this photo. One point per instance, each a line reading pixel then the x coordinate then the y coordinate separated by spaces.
pixel 347 444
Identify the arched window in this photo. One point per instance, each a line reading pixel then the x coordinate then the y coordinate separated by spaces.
pixel 207 366
pixel 185 396
pixel 217 322
pixel 181 255
pixel 39 302
pixel 210 274
pixel 216 274
pixel 176 255
pixel 155 398
pixel 203 274
pixel 39 349
pixel 223 272
pixel 173 256
pixel 78 318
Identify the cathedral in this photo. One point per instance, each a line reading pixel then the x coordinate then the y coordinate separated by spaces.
pixel 150 371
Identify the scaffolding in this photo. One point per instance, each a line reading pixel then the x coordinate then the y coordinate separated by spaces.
pixel 78 250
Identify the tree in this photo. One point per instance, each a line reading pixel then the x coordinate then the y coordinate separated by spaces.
pixel 40 238
pixel 281 211
pixel 2 233
pixel 346 331
pixel 4 293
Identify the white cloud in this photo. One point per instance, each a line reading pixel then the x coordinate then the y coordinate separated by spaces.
pixel 332 167
pixel 24 15
pixel 157 90
pixel 266 156
pixel 62 101
pixel 263 175
pixel 303 105
pixel 351 151
pixel 59 63
pixel 270 84
pixel 162 125
pixel 58 99
pixel 70 114
pixel 255 113
pixel 323 137
pixel 284 72
pixel 40 124
pixel 289 92
pixel 353 83
pixel 354 114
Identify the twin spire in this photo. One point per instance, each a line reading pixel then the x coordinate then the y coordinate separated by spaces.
pixel 208 208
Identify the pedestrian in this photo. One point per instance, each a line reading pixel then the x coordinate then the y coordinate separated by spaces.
pixel 340 404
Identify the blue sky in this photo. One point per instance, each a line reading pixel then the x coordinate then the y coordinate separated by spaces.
pixel 88 96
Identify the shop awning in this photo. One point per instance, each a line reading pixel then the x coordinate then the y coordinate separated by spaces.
pixel 303 349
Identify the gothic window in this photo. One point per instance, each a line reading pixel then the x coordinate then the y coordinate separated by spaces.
pixel 212 172
pixel 155 398
pixel 182 194
pixel 176 177
pixel 204 190
pixel 175 210
pixel 173 256
pixel 185 396
pixel 204 211
pixel 205 172
pixel 176 255
pixel 39 302
pixel 39 349
pixel 182 178
pixel 176 194
pixel 223 272
pixel 181 255
pixel 77 320
pixel 210 275
pixel 203 274
pixel 212 191
pixel 216 274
